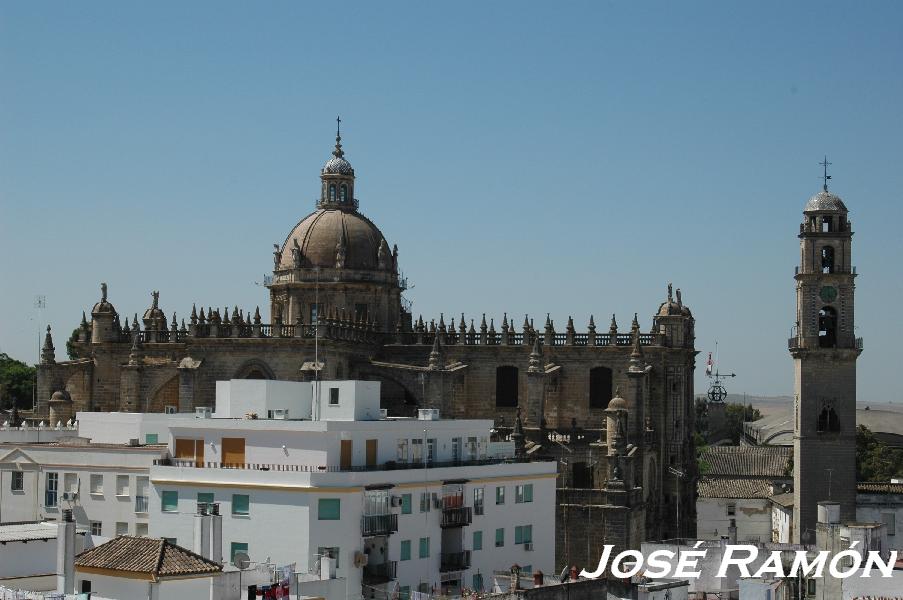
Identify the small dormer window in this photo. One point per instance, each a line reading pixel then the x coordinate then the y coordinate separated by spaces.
pixel 344 193
pixel 332 193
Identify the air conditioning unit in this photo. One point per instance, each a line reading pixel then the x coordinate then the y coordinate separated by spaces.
pixel 203 412
pixel 279 413
pixel 528 546
pixel 70 496
pixel 395 501
pixel 361 559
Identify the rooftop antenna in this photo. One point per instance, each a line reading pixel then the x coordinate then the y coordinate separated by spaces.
pixel 825 177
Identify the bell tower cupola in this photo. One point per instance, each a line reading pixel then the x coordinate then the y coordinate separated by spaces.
pixel 337 178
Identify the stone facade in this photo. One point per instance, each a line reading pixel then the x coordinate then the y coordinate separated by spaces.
pixel 824 350
pixel 337 305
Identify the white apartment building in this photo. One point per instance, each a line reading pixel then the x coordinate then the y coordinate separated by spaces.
pixel 406 504
pixel 107 486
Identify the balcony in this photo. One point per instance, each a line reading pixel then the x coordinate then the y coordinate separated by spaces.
pixel 454 561
pixel 460 516
pixel 381 573
pixel 378 524
pixel 140 504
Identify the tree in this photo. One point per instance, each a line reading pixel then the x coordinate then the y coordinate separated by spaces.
pixel 875 460
pixel 17 381
pixel 736 415
pixel 71 349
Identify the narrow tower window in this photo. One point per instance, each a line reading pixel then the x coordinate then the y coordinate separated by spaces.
pixel 332 193
pixel 827 259
pixel 828 420
pixel 827 327
pixel 506 386
pixel 827 224
pixel 344 193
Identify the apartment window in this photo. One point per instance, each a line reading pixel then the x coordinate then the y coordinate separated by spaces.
pixel 122 485
pixel 499 537
pixel 478 582
pixel 523 493
pixel 500 494
pixel 17 484
pixel 86 586
pixel 331 552
pixel 430 450
pixel 402 451
pixel 405 549
pixel 471 448
pixel 416 451
pixel 424 547
pixel 151 438
pixel 172 541
pixel 96 484
pixel 122 528
pixel 333 396
pixel 241 504
pixel 51 487
pixel 205 497
pixel 477 540
pixel 731 510
pixel 141 529
pixel 70 483
pixel 523 534
pixel 890 520
pixel 424 502
pixel 810 587
pixel 329 509
pixel 404 592
pixel 406 504
pixel 169 501
pixel 96 528
pixel 456 449
pixel 235 548
pixel 478 501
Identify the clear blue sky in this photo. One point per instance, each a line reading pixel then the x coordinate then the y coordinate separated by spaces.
pixel 525 157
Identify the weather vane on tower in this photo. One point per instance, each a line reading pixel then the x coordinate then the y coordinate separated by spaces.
pixel 825 177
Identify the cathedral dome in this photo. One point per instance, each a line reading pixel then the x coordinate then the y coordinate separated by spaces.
pixel 825 201
pixel 328 232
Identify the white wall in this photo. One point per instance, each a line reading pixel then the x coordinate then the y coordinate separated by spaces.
pixel 781 522
pixel 119 427
pixel 358 401
pixel 753 518
pixel 871 508
pixel 19 559
pixel 236 397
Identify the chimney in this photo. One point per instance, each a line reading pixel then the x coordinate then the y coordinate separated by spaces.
pixel 732 532
pixel 327 567
pixel 65 554
pixel 216 534
pixel 202 531
pixel 829 513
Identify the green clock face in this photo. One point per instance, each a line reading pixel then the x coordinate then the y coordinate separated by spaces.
pixel 828 293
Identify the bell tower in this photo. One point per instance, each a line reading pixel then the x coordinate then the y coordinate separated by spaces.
pixel 824 349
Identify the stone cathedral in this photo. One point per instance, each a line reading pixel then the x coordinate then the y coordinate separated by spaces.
pixel 614 404
pixel 824 349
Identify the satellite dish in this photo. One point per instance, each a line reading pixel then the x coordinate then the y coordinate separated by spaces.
pixel 241 560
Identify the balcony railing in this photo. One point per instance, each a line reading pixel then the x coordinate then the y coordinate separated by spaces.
pixel 140 504
pixel 454 561
pixel 456 517
pixel 379 524
pixel 381 573
pixel 301 468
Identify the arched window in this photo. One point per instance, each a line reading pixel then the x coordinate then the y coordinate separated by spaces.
pixel 344 194
pixel 827 327
pixel 827 259
pixel 828 420
pixel 599 387
pixel 332 193
pixel 506 386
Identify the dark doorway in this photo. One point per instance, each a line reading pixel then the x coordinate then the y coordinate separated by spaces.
pixel 599 387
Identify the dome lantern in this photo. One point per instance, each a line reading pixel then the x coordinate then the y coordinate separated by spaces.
pixel 337 176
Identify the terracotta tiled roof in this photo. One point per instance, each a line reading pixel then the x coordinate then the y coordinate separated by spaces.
pixel 733 487
pixel 748 461
pixel 152 556
pixel 880 488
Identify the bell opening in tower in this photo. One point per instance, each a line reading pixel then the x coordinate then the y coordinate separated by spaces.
pixel 827 327
pixel 827 259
